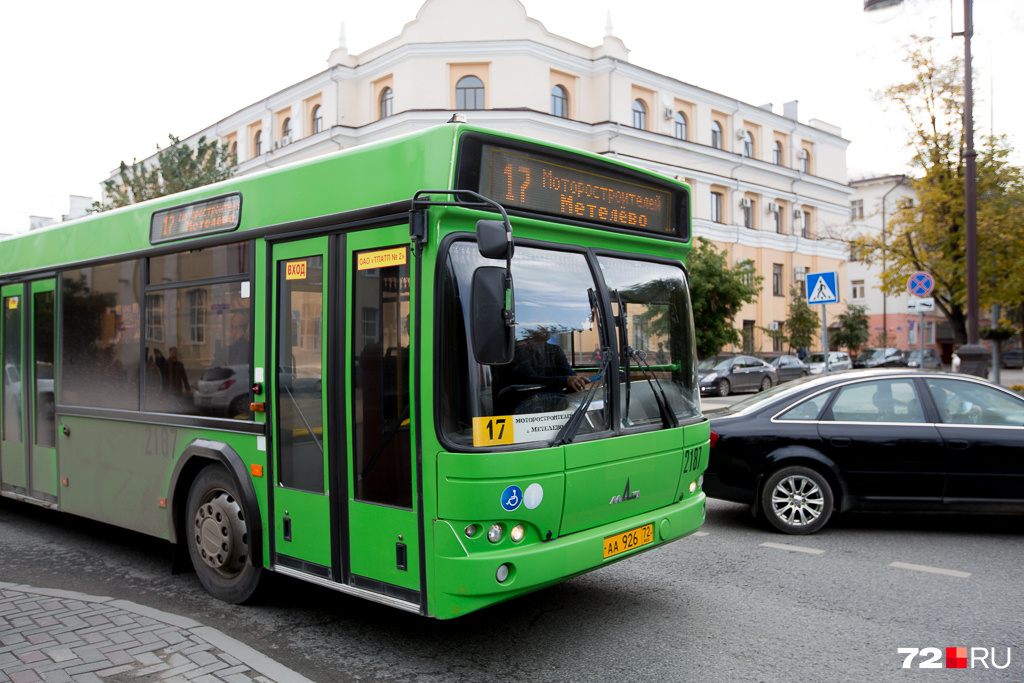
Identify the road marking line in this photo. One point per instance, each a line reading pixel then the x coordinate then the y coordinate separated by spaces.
pixel 930 570
pixel 701 533
pixel 794 548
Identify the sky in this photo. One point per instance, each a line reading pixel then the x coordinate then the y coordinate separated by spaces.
pixel 87 84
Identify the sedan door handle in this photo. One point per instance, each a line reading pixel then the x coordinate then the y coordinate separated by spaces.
pixel 958 444
pixel 840 440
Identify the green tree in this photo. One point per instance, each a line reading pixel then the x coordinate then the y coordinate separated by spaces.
pixel 718 291
pixel 177 168
pixel 853 330
pixel 802 321
pixel 929 234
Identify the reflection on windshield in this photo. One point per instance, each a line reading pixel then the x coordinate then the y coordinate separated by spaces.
pixel 560 348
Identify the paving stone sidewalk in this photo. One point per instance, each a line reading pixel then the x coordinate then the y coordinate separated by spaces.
pixel 57 636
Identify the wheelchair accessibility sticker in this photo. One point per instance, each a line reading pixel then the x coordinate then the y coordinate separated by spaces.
pixel 511 498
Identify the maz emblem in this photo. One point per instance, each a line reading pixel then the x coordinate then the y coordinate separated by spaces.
pixel 625 495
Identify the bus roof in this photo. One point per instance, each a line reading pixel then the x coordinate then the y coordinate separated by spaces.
pixel 370 175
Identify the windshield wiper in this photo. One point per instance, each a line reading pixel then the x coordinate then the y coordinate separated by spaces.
pixel 668 416
pixel 620 322
pixel 568 431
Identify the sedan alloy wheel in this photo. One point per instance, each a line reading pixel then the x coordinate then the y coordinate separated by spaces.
pixel 796 500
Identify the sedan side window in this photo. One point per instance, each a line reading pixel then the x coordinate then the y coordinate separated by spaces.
pixel 891 400
pixel 961 402
pixel 807 410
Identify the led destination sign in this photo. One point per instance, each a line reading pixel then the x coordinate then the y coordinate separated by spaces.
pixel 219 214
pixel 554 186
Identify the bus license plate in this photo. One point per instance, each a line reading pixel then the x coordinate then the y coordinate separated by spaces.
pixel 628 540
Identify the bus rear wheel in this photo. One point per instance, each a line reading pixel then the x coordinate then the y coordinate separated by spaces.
pixel 218 537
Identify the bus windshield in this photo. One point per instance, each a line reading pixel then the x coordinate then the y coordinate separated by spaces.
pixel 561 342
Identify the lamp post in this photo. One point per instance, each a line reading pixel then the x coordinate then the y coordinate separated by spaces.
pixel 973 356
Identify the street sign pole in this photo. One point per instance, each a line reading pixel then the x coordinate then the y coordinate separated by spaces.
pixel 824 338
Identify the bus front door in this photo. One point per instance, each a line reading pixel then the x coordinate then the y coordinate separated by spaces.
pixel 302 536
pixel 382 523
pixel 28 457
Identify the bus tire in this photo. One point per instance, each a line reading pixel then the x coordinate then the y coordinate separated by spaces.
pixel 218 537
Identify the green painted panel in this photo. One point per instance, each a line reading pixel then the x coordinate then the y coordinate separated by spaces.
pixel 479 501
pixel 309 516
pixel 604 493
pixel 375 531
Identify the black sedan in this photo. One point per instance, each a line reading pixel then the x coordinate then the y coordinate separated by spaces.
pixel 721 375
pixel 870 440
pixel 788 367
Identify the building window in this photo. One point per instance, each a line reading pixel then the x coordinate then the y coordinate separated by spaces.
pixel 286 129
pixel 716 207
pixel 777 338
pixel 716 135
pixel 856 209
pixel 805 226
pixel 639 114
pixel 469 93
pixel 777 280
pixel 805 161
pixel 387 97
pixel 680 128
pixel 748 336
pixel 857 289
pixel 775 213
pixel 747 205
pixel 800 280
pixel 777 153
pixel 257 143
pixel 748 144
pixel 318 119
pixel 560 102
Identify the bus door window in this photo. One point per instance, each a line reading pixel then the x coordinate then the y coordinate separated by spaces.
pixel 382 464
pixel 300 374
pixel 42 339
pixel 12 369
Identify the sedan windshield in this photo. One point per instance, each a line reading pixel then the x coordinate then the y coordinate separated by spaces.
pixel 566 350
pixel 715 363
pixel 816 358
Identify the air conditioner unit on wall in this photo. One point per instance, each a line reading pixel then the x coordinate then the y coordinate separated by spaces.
pixel 798 213
pixel 668 113
pixel 741 134
pixel 745 202
pixel 773 207
pixel 802 154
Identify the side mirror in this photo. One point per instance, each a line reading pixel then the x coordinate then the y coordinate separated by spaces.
pixel 494 239
pixel 492 316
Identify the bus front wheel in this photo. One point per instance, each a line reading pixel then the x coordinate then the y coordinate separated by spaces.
pixel 218 537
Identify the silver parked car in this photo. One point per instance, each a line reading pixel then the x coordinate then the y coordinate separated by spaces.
pixel 837 360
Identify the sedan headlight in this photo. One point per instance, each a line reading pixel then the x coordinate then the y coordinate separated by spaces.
pixel 710 377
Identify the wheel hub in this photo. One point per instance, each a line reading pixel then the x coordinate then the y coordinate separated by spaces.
pixel 219 533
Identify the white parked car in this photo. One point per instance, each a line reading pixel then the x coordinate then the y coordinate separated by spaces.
pixel 837 360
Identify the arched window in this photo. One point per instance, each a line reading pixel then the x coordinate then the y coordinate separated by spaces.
pixel 716 135
pixel 777 153
pixel 805 161
pixel 234 152
pixel 680 129
pixel 469 93
pixel 639 114
pixel 286 128
pixel 257 143
pixel 748 143
pixel 318 119
pixel 387 99
pixel 560 102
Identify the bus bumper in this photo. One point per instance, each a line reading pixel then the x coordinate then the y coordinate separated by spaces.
pixel 466 581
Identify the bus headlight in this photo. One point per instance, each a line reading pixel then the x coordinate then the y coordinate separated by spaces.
pixel 693 486
pixel 471 530
pixel 518 533
pixel 495 533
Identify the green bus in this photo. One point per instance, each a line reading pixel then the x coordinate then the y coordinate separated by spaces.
pixel 436 372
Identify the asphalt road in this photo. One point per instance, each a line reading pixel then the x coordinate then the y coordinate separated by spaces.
pixel 733 603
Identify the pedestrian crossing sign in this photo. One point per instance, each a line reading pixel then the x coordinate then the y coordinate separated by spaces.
pixel 823 288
